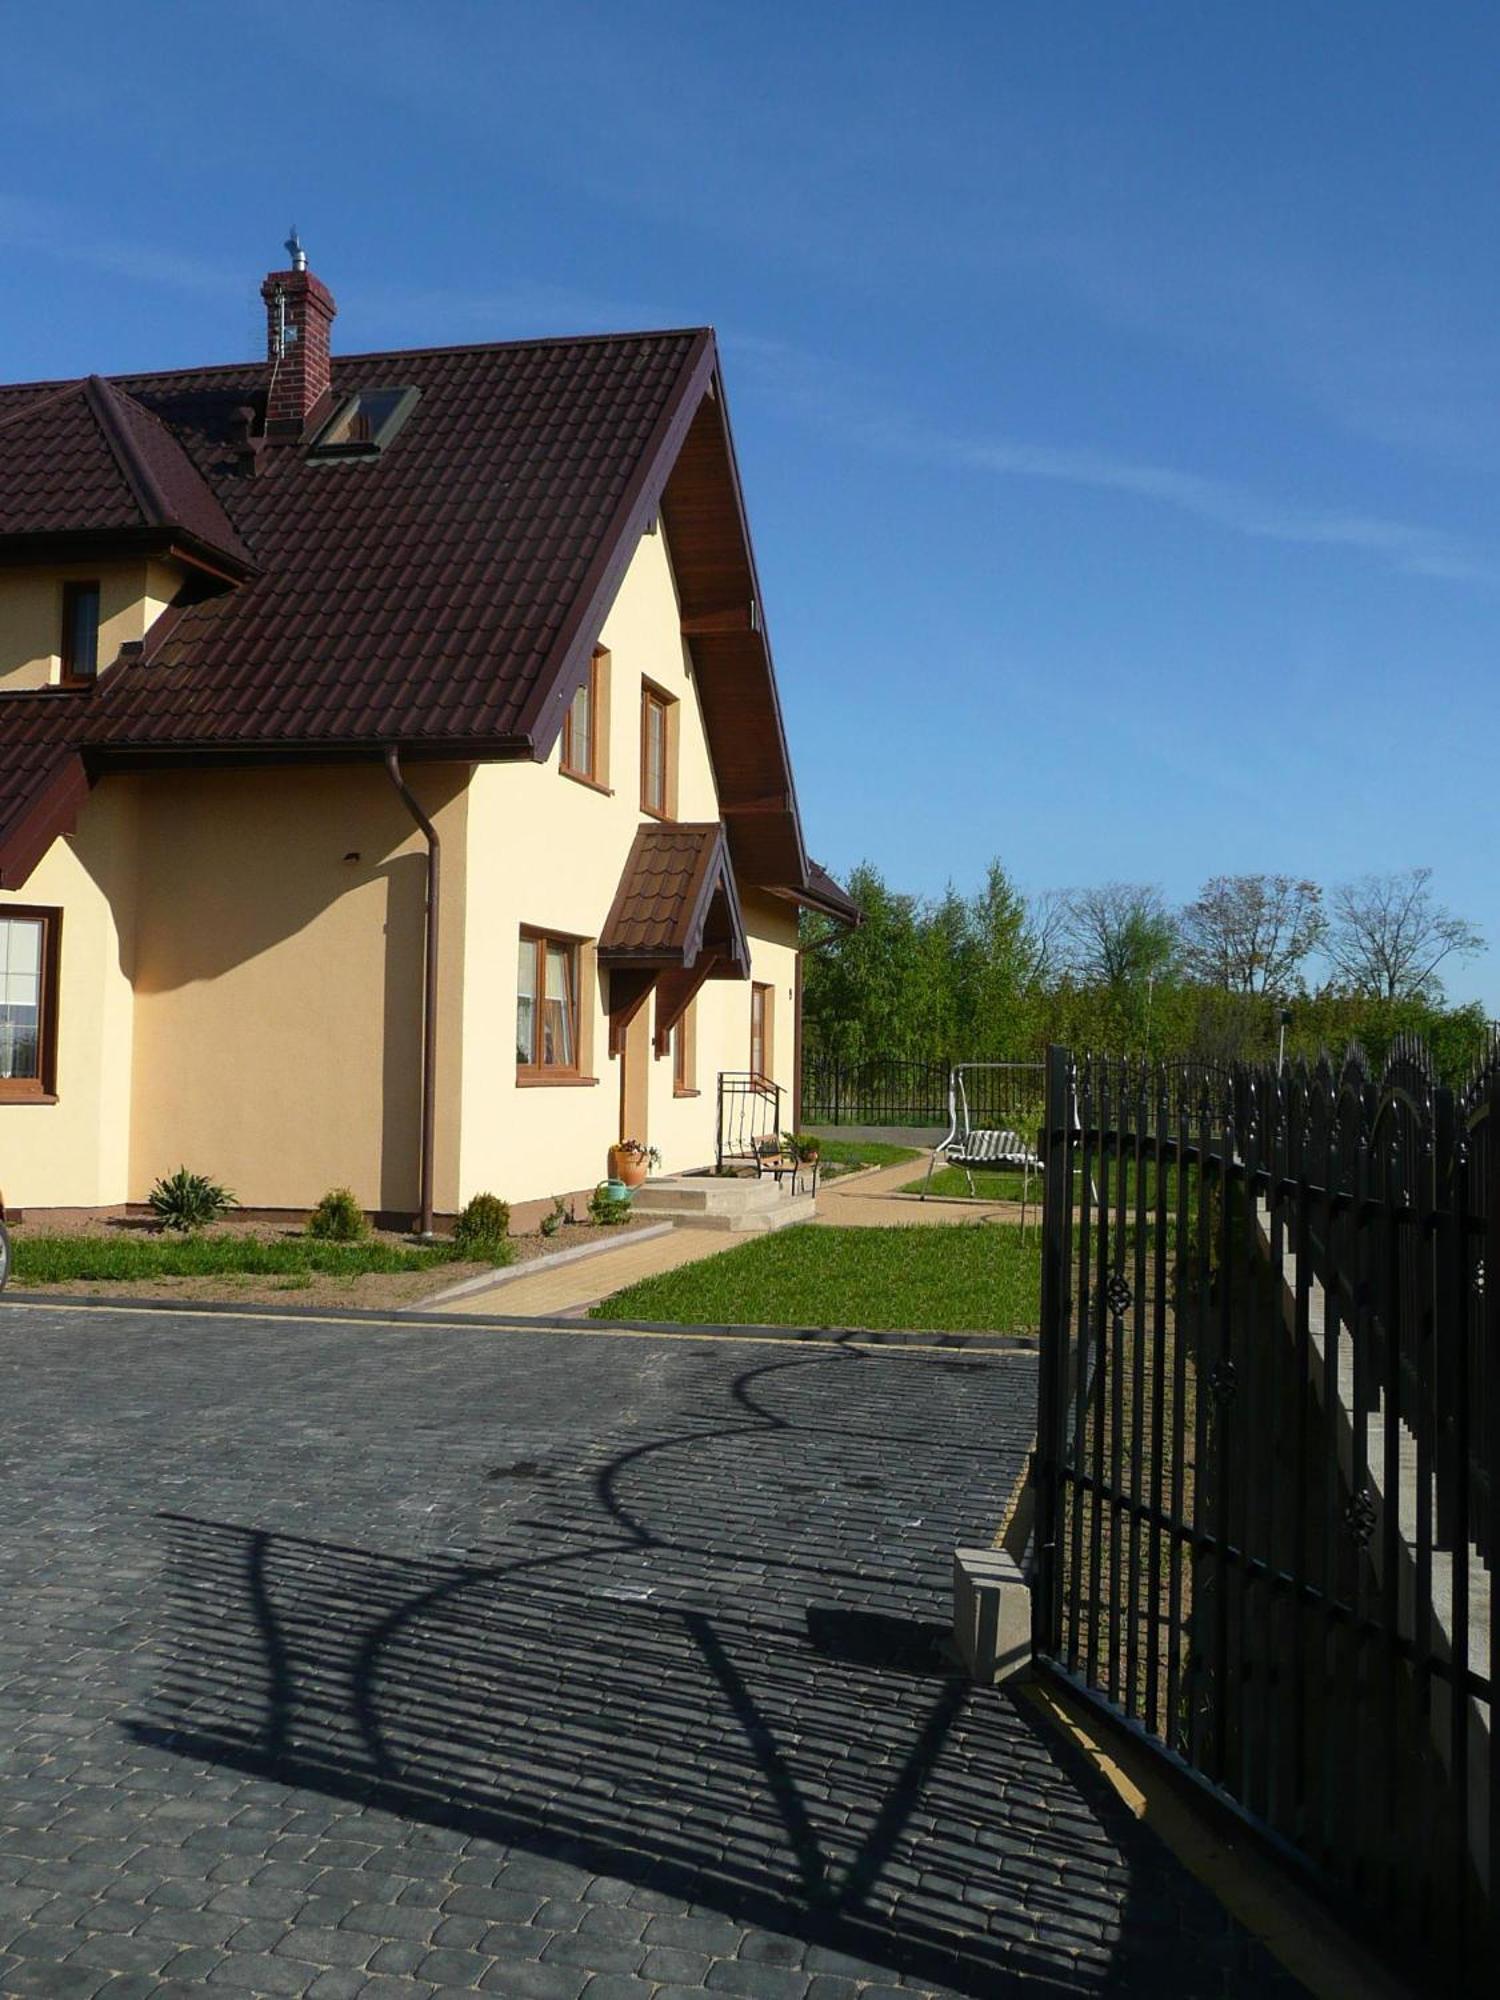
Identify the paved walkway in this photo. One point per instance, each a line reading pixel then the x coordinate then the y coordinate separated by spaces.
pixel 370 1662
pixel 874 1201
pixel 567 1288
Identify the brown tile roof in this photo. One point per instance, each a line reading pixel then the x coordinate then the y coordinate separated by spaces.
pixel 443 595
pixel 676 896
pixel 824 893
pixel 88 461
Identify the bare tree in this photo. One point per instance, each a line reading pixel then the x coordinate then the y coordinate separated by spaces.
pixel 1048 915
pixel 1120 933
pixel 1387 937
pixel 1252 933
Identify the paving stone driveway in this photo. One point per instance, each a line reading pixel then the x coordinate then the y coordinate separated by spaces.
pixel 342 1659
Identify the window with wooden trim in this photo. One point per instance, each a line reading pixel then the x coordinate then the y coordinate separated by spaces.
pixel 583 726
pixel 79 647
pixel 547 1005
pixel 28 1003
pixel 760 1030
pixel 656 751
pixel 685 1053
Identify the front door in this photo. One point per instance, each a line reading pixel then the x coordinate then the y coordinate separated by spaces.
pixel 760 1030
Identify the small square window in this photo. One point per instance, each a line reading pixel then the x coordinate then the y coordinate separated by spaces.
pixel 79 649
pixel 364 423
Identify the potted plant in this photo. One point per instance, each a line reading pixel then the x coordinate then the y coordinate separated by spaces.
pixel 808 1149
pixel 631 1160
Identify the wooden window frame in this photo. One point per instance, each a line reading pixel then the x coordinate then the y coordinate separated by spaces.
pixel 762 1000
pixel 592 772
pixel 581 958
pixel 71 591
pixel 41 1088
pixel 685 1053
pixel 653 696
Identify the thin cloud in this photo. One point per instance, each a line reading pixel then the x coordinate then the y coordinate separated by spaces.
pixel 47 231
pixel 1404 545
pixel 803 382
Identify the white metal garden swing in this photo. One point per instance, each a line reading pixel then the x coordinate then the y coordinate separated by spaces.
pixel 968 1145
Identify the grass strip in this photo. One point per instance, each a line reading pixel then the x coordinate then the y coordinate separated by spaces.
pixel 951 1280
pixel 864 1153
pixel 55 1260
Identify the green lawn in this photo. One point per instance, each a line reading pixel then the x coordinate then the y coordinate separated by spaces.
pixel 53 1260
pixel 954 1279
pixel 1001 1185
pixel 864 1153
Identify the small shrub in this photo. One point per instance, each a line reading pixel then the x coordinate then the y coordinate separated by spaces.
pixel 551 1223
pixel 607 1208
pixel 338 1218
pixel 483 1226
pixel 186 1200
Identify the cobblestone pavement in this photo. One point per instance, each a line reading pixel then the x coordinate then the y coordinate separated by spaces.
pixel 345 1659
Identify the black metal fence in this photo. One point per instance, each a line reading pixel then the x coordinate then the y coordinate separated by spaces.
pixel 880 1091
pixel 749 1109
pixel 1267 1431
pixel 885 1090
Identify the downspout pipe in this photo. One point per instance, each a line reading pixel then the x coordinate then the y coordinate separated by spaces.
pixel 429 988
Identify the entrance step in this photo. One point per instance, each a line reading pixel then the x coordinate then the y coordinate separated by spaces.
pixel 710 1201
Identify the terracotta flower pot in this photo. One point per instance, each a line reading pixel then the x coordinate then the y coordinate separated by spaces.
pixel 626 1167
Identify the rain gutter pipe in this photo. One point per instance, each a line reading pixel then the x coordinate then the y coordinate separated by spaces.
pixel 429 988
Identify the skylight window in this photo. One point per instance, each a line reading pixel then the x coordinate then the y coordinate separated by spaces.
pixel 364 423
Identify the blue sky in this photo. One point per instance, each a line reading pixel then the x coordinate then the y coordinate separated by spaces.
pixel 1117 387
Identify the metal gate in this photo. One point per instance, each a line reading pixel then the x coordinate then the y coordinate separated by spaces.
pixel 1268 1422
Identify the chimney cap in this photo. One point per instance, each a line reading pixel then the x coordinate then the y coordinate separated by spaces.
pixel 295 251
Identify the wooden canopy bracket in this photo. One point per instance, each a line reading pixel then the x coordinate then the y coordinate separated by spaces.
pixel 629 989
pixel 675 992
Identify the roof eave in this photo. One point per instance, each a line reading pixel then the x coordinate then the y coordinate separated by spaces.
pixel 52 810
pixel 842 909
pixel 74 545
pixel 541 719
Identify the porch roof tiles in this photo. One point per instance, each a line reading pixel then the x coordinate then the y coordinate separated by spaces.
pixel 668 907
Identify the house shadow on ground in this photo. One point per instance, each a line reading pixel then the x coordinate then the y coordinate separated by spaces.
pixel 645 1676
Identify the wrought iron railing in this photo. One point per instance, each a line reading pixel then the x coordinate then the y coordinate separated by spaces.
pixel 749 1109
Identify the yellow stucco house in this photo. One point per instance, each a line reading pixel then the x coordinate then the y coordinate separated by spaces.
pixel 393 788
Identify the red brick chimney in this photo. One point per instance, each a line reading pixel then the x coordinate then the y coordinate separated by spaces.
pixel 299 313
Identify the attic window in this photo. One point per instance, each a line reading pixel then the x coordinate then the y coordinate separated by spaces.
pixel 364 423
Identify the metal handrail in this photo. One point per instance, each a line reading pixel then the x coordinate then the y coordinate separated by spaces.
pixel 744 1085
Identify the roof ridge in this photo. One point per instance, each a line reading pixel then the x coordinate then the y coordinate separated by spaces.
pixel 372 354
pixel 101 397
pixel 532 340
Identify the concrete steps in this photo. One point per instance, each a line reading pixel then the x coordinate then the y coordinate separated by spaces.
pixel 708 1201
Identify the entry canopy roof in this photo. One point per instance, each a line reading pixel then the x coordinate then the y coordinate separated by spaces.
pixel 676 904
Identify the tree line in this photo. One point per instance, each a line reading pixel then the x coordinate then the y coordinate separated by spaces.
pixel 995 976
